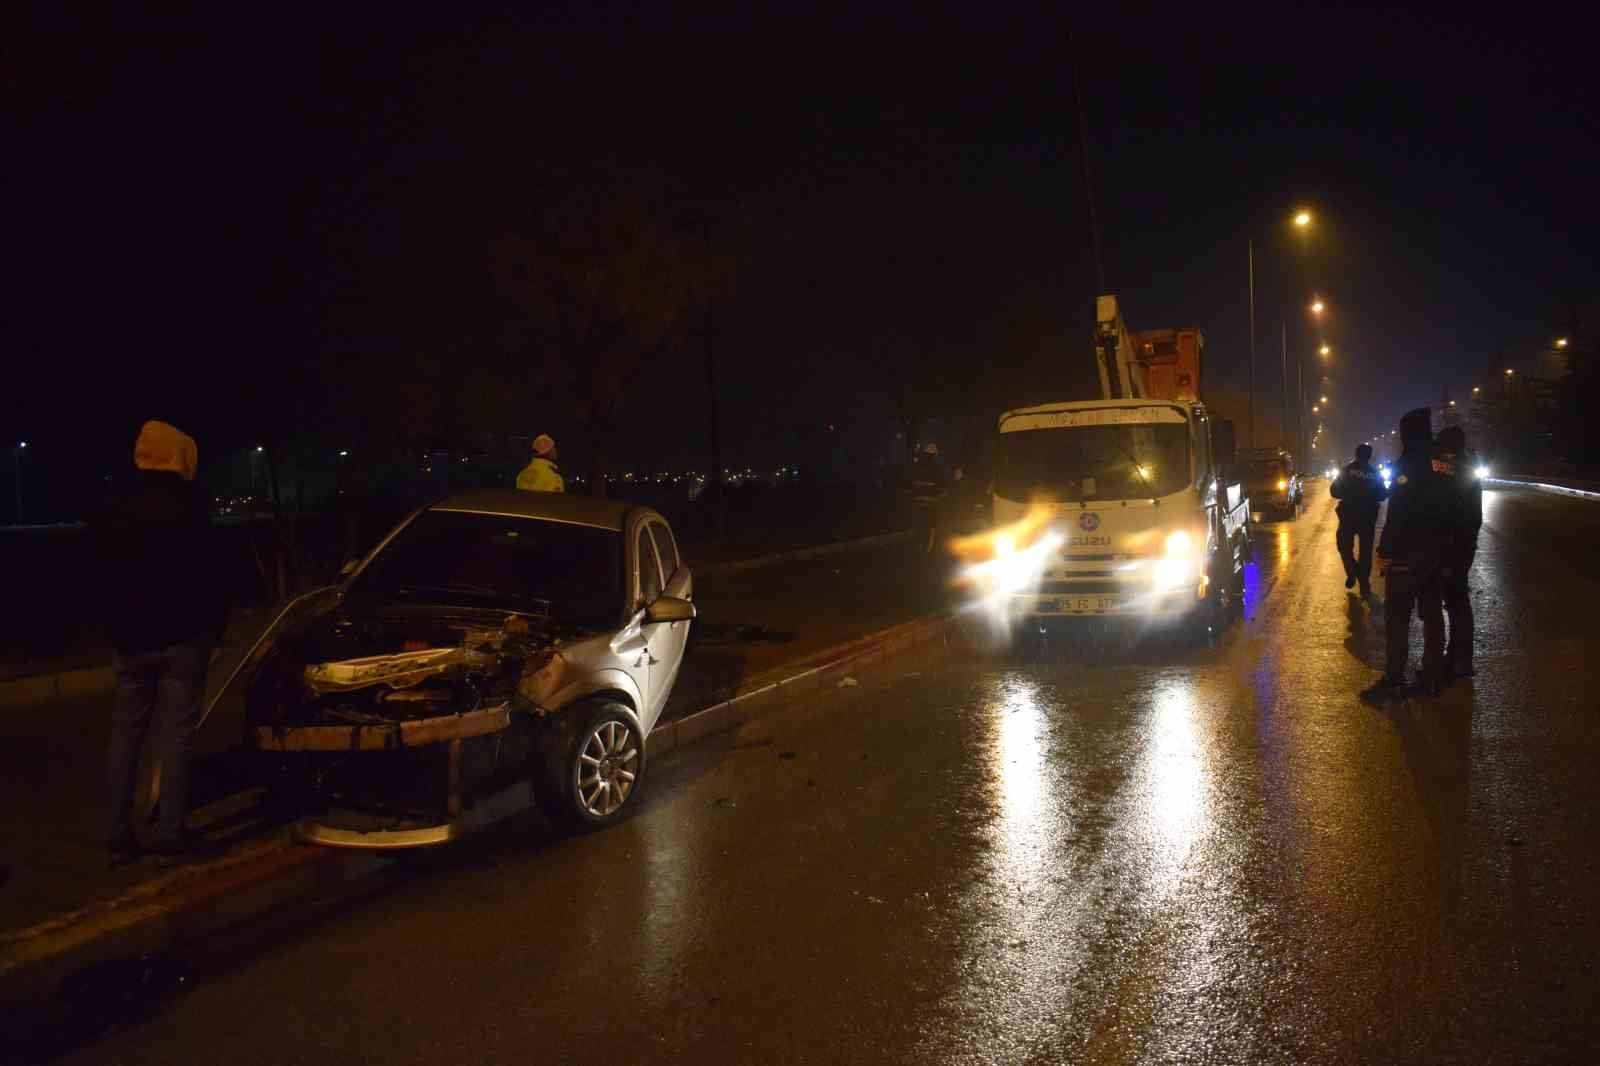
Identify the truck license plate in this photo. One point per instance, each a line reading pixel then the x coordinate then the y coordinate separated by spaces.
pixel 1091 603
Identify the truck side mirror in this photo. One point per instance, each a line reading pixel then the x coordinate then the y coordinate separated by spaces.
pixel 1224 450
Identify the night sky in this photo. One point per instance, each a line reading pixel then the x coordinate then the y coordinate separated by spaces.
pixel 249 226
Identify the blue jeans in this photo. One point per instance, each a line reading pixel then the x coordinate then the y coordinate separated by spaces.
pixel 164 689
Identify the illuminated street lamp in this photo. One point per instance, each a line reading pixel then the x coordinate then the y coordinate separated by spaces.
pixel 1325 350
pixel 1477 389
pixel 1561 342
pixel 1316 410
pixel 1510 372
pixel 1302 219
pixel 1317 307
pixel 1323 400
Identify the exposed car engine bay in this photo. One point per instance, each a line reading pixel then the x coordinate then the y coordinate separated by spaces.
pixel 398 667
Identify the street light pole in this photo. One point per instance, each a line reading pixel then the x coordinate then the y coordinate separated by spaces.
pixel 17 470
pixel 1285 433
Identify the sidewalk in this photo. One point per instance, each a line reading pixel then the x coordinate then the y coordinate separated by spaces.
pixel 751 625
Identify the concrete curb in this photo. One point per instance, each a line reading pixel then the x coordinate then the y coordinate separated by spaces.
pixel 41 688
pixel 1543 486
pixel 190 903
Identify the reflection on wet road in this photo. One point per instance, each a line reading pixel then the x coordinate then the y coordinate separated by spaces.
pixel 1147 854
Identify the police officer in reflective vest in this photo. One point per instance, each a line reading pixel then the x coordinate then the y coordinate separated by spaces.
pixel 1452 456
pixel 1360 492
pixel 1416 535
pixel 542 474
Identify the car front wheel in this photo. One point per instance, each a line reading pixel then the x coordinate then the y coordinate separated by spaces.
pixel 594 770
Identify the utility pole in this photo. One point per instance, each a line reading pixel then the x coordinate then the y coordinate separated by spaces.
pixel 1250 251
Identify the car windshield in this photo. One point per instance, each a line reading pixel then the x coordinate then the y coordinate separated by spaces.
pixel 1094 462
pixel 571 572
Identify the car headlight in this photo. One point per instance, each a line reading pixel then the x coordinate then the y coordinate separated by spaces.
pixel 1483 471
pixel 1282 484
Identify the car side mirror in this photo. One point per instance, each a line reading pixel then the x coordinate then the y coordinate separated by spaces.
pixel 669 609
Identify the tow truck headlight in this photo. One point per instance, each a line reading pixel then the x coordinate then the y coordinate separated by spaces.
pixel 1482 472
pixel 1012 569
pixel 1176 568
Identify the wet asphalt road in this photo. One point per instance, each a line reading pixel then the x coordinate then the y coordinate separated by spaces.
pixel 1093 854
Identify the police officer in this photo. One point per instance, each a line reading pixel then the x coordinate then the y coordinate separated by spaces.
pixel 1418 531
pixel 1360 492
pixel 928 487
pixel 1452 456
pixel 542 474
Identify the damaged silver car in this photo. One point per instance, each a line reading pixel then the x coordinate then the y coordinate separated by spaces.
pixel 495 647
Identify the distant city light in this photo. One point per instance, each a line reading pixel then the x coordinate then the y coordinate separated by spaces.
pixel 1561 342
pixel 1302 219
pixel 258 448
pixel 1325 349
pixel 1510 372
pixel 22 444
pixel 1318 307
pixel 343 454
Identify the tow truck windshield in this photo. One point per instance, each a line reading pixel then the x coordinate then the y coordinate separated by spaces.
pixel 1094 462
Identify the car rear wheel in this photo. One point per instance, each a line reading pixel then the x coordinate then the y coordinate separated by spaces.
pixel 593 771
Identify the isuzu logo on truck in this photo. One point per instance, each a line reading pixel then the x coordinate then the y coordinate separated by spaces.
pixel 1088 521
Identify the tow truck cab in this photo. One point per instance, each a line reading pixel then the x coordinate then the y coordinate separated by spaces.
pixel 1130 508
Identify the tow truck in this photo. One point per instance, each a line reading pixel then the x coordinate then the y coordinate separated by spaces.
pixel 1128 505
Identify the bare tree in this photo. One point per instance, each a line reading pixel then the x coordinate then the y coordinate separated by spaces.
pixel 608 278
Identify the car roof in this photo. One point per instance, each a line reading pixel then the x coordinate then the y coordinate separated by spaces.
pixel 546 506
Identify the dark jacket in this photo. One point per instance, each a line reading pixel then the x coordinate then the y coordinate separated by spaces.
pixel 928 481
pixel 1360 492
pixel 1423 510
pixel 159 558
pixel 1467 489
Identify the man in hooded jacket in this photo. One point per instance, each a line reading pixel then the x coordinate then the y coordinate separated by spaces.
pixel 1416 537
pixel 166 612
